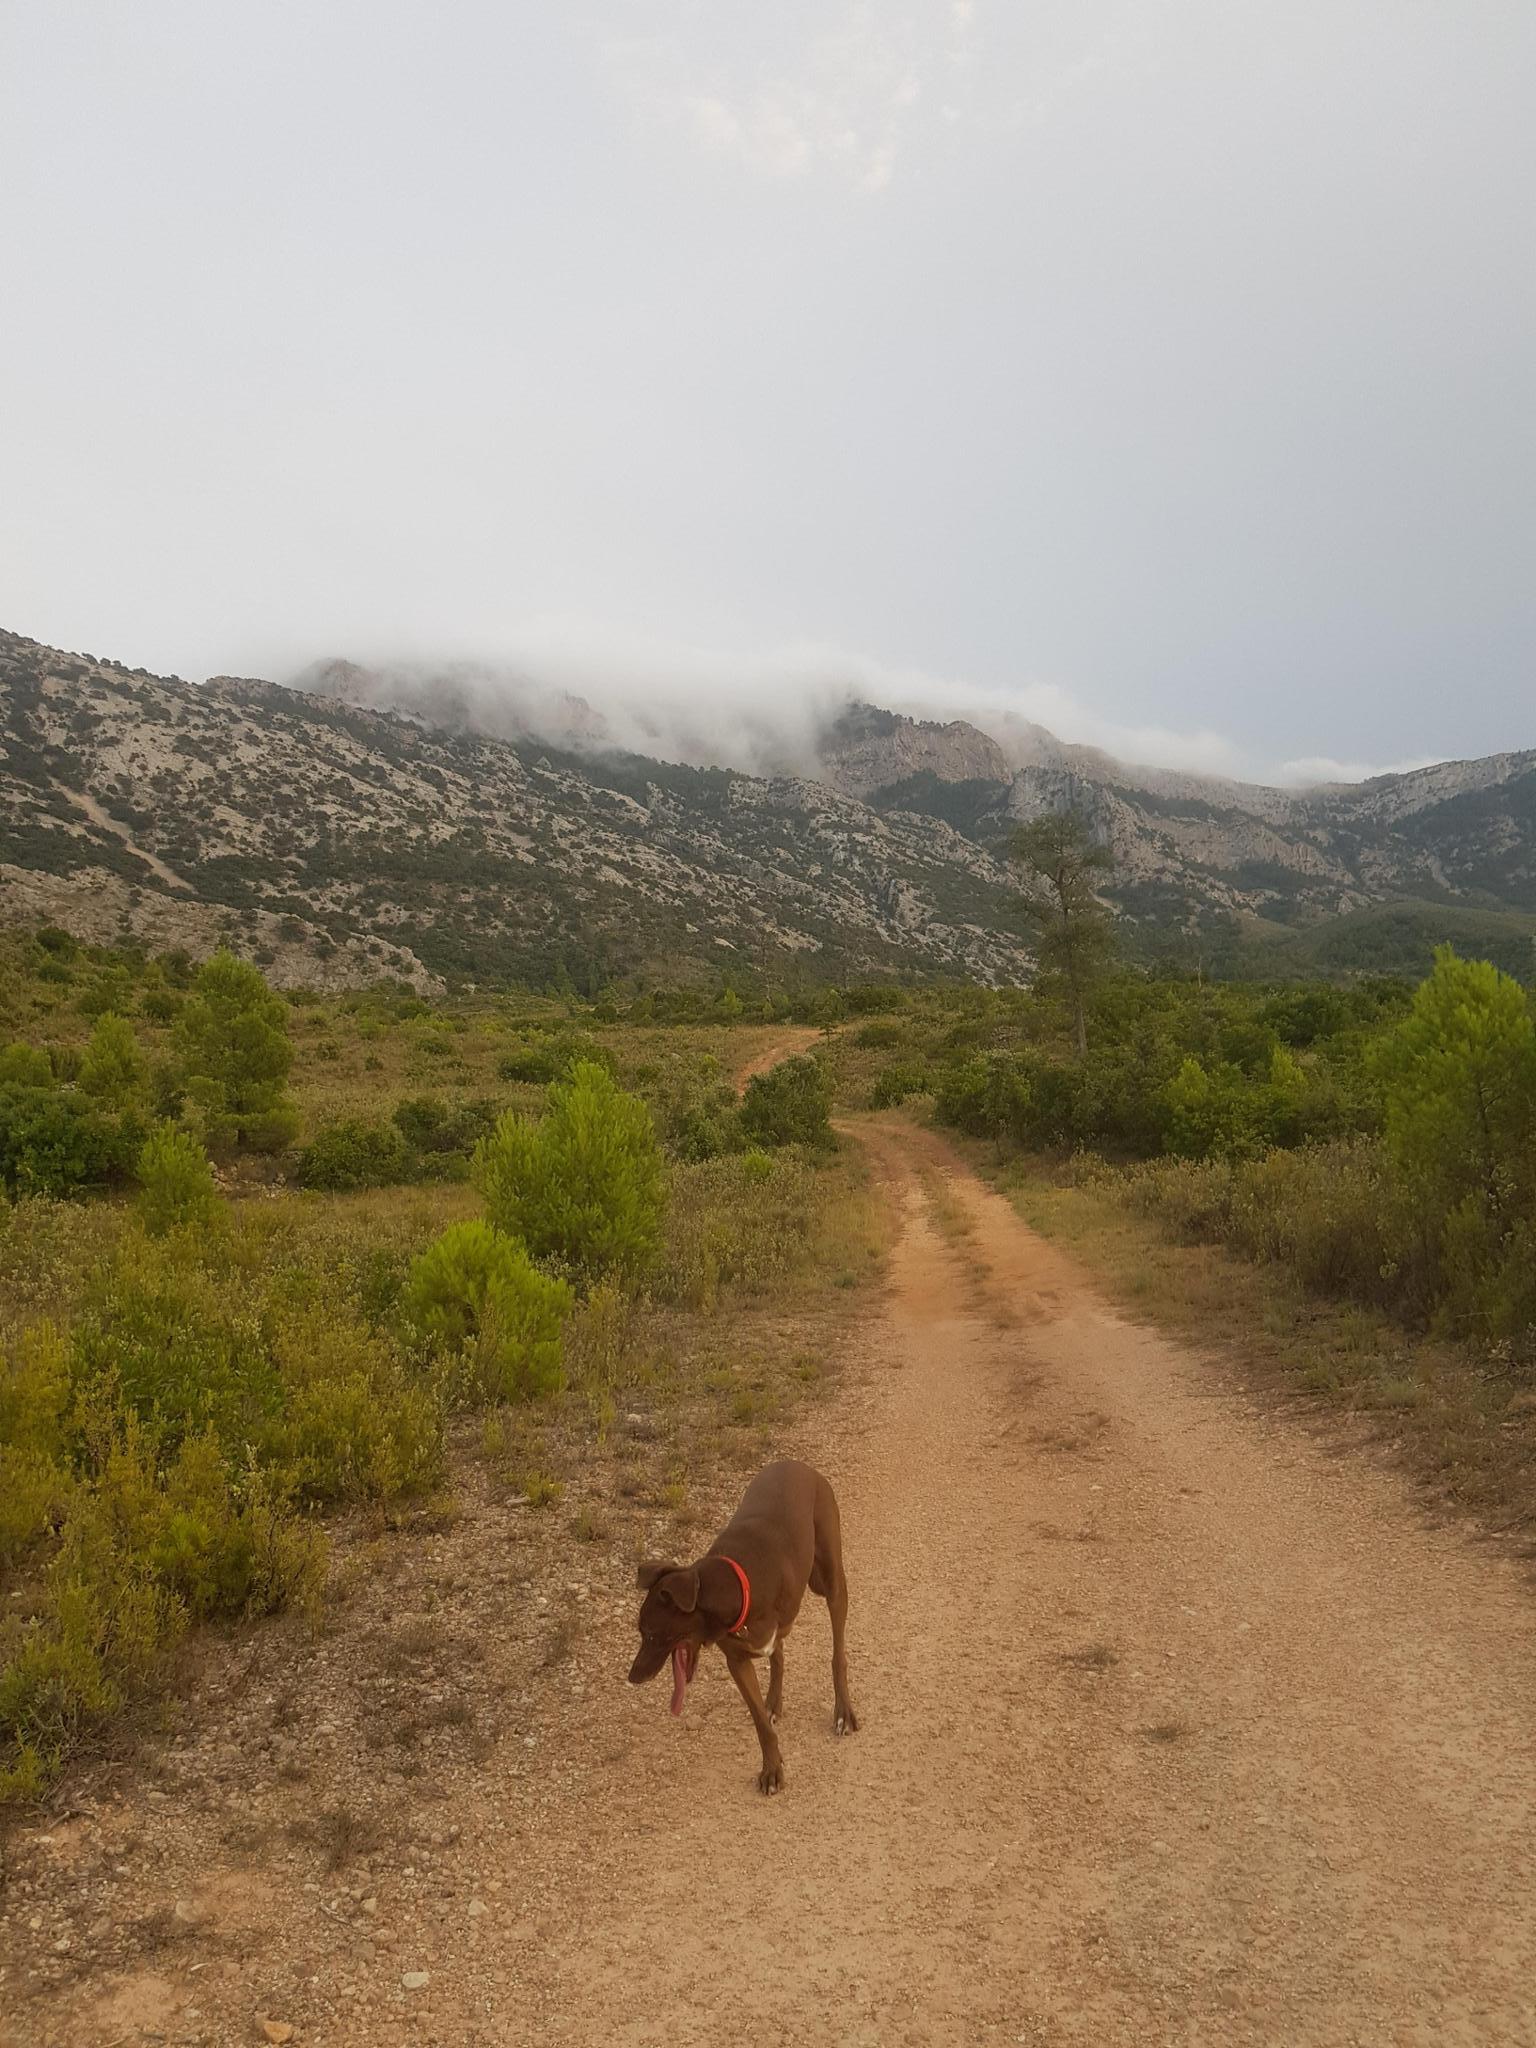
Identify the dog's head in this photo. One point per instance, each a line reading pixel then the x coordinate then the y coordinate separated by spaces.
pixel 671 1625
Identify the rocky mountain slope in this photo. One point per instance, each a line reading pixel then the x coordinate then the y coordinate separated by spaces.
pixel 339 843
pixel 1462 832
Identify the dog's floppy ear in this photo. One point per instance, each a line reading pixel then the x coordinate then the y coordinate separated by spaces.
pixel 682 1589
pixel 648 1574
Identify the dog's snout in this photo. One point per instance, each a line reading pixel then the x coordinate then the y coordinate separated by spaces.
pixel 646 1665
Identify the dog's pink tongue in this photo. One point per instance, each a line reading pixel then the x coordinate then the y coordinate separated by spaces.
pixel 679 1677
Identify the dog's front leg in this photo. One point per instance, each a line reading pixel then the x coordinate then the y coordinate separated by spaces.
pixel 771 1777
pixel 776 1679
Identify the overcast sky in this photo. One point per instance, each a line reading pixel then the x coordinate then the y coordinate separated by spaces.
pixel 1165 369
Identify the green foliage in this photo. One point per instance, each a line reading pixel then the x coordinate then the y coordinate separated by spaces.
pixel 789 1105
pixel 357 1422
pixel 882 1032
pixel 232 1035
pixel 441 1139
pixel 1433 1220
pixel 53 1142
pixel 1460 1089
pixel 553 1058
pixel 35 1484
pixel 112 1071
pixel 25 1066
pixel 176 1184
pixel 1219 1112
pixel 987 1096
pixel 144 1551
pixel 584 1186
pixel 1074 935
pixel 351 1152
pixel 480 1299
pixel 185 1347
pixel 895 1084
pixel 1459 1075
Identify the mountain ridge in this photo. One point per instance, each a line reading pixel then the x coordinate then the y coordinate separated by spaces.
pixel 345 840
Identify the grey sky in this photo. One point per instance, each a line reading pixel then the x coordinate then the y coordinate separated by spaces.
pixel 1166 368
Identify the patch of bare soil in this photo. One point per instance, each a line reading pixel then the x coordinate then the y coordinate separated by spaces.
pixel 1173 1728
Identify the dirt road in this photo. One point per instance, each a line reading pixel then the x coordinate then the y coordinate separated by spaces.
pixel 1175 1729
pixel 792 1039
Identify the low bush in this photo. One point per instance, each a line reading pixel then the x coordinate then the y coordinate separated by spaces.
pixel 184 1347
pixel 144 1550
pixel 477 1296
pixel 583 1186
pixel 441 1139
pixel 176 1184
pixel 882 1033
pixel 789 1105
pixel 896 1083
pixel 352 1152
pixel 553 1058
pixel 357 1422
pixel 54 1142
pixel 741 1225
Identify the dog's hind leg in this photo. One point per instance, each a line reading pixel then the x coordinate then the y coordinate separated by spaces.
pixel 830 1580
pixel 844 1719
pixel 776 1677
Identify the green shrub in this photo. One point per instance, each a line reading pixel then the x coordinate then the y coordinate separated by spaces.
pixel 232 1036
pixel 25 1066
pixel 553 1058
pixel 703 1131
pixel 53 1142
pixel 350 1153
pixel 479 1297
pixel 357 1424
pixel 176 1182
pixel 894 1084
pixel 789 1105
pixel 740 1225
pixel 584 1185
pixel 185 1349
pixel 874 998
pixel 1459 1074
pixel 435 1132
pixel 881 1033
pixel 112 1070
pixel 987 1096
pixel 421 1120
pixel 35 1481
pixel 141 1555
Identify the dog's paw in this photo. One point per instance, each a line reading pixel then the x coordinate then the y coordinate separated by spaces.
pixel 846 1722
pixel 770 1778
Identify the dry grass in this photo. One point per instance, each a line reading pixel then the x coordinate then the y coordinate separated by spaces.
pixel 1091 1657
pixel 1167 1731
pixel 340 1834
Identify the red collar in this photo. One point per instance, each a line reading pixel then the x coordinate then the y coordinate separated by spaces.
pixel 746 1594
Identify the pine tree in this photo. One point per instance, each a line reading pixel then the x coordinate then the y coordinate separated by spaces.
pixel 1074 932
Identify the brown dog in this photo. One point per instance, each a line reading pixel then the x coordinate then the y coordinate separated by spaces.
pixel 744 1594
